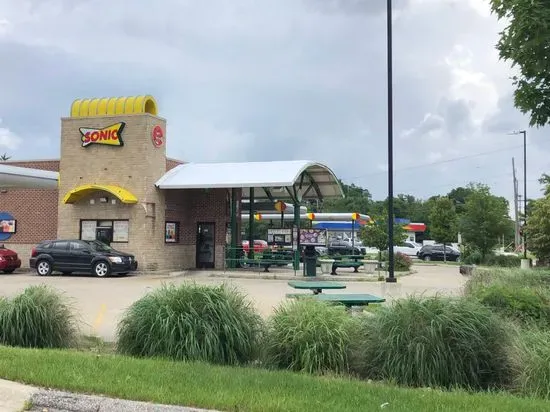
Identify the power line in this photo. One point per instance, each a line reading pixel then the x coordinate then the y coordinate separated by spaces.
pixel 455 159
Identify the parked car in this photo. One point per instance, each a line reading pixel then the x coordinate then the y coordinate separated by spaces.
pixel 9 261
pixel 408 248
pixel 436 252
pixel 80 256
pixel 342 247
pixel 259 246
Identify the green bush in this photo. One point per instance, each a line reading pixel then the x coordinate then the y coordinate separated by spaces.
pixel 531 363
pixel 472 257
pixel 39 317
pixel 433 342
pixel 191 322
pixel 310 336
pixel 505 261
pixel 515 278
pixel 402 262
pixel 526 304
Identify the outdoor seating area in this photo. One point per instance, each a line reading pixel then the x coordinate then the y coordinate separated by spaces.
pixel 352 261
pixel 347 299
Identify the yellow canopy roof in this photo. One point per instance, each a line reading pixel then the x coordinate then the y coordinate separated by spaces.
pixel 78 193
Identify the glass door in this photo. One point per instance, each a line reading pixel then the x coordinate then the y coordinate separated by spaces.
pixel 205 245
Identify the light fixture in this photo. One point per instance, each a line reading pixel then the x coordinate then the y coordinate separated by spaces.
pixel 103 200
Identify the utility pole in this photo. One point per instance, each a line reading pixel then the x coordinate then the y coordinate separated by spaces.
pixel 516 211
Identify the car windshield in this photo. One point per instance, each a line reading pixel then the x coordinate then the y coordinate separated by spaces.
pixel 100 246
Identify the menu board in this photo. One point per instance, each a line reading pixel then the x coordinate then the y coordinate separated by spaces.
pixel 171 232
pixel 88 228
pixel 120 231
pixel 313 237
pixel 279 236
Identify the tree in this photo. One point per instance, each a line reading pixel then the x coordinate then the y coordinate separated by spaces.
pixel 459 195
pixel 444 223
pixel 376 235
pixel 356 199
pixel 5 157
pixel 524 43
pixel 484 220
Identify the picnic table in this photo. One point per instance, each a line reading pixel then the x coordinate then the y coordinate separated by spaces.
pixel 352 261
pixel 351 299
pixel 315 286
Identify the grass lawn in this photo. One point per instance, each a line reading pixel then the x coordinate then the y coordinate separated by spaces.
pixel 232 389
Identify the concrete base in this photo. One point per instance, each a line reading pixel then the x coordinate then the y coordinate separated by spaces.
pixel 526 263
pixel 390 290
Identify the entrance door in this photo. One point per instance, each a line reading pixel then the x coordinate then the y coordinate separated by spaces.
pixel 206 235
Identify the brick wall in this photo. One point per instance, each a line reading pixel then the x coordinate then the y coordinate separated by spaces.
pixel 190 207
pixel 171 163
pixel 34 209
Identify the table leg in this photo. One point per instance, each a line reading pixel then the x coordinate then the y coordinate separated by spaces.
pixel 317 291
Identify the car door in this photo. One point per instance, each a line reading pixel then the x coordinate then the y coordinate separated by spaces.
pixel 437 253
pixel 60 255
pixel 81 256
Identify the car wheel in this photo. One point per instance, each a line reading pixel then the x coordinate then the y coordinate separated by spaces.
pixel 43 268
pixel 427 258
pixel 102 269
pixel 8 271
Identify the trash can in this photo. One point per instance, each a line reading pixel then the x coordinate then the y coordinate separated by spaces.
pixel 310 261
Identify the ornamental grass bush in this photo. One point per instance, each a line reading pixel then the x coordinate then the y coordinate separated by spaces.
pixel 40 317
pixel 191 322
pixel 531 363
pixel 309 336
pixel 521 295
pixel 433 342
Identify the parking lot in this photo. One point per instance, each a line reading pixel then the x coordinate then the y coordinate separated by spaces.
pixel 101 301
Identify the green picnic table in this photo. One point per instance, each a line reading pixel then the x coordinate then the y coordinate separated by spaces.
pixel 351 299
pixel 315 286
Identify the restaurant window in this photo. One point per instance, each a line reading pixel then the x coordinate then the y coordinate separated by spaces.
pixel 119 229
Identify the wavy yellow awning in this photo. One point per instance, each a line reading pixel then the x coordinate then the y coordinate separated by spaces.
pixel 110 106
pixel 78 193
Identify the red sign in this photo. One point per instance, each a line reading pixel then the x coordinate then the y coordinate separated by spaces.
pixel 157 135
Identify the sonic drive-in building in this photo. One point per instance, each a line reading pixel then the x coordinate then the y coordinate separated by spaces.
pixel 113 182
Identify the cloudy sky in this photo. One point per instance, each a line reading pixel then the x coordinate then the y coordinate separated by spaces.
pixel 247 80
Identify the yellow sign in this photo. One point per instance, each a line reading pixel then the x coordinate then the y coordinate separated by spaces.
pixel 354 216
pixel 110 135
pixel 280 206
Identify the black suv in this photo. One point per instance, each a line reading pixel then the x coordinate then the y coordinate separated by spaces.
pixel 80 256
pixel 435 252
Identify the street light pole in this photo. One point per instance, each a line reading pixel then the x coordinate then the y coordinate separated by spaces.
pixel 391 276
pixel 524 132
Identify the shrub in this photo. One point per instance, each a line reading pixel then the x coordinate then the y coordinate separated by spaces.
pixel 472 257
pixel 191 322
pixel 526 304
pixel 402 262
pixel 484 277
pixel 434 342
pixel 505 261
pixel 531 363
pixel 310 336
pixel 40 317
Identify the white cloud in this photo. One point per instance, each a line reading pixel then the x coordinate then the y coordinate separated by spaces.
pixel 283 79
pixel 8 139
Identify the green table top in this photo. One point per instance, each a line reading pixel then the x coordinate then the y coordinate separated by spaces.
pixel 350 299
pixel 304 284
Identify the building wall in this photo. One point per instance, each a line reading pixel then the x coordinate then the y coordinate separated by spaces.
pixel 34 209
pixel 135 166
pixel 190 207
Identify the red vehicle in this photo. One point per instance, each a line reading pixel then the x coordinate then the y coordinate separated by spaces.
pixel 9 261
pixel 259 246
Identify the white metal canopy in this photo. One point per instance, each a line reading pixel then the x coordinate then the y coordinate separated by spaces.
pixel 303 179
pixel 23 177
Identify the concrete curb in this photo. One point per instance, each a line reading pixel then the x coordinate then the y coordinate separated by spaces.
pixel 58 401
pixel 283 276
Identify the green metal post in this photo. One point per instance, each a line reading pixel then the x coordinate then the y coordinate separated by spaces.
pixel 251 226
pixel 234 234
pixel 297 240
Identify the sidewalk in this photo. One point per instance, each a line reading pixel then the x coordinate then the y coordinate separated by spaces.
pixel 16 397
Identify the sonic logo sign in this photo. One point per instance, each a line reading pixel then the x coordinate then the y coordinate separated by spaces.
pixel 110 135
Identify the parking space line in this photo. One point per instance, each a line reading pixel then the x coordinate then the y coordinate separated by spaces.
pixel 100 315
